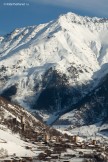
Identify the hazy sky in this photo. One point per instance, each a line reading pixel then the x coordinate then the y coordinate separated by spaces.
pixel 41 11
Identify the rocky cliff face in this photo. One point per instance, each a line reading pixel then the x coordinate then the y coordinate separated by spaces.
pixel 92 109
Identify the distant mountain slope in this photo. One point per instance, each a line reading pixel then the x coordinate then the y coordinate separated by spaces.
pixel 92 109
pixel 52 66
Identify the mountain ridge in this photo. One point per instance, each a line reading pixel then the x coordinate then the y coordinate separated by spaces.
pixel 51 66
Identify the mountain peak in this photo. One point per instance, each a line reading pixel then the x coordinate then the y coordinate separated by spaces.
pixel 75 18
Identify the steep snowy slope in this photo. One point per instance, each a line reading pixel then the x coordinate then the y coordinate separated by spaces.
pixel 52 66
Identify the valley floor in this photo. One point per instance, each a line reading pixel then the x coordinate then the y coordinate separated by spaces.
pixel 83 150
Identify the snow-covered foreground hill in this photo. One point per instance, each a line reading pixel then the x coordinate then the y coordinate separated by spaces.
pixel 52 67
pixel 14 139
pixel 11 144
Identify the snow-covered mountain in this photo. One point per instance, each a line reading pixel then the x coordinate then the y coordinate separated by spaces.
pixel 53 66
